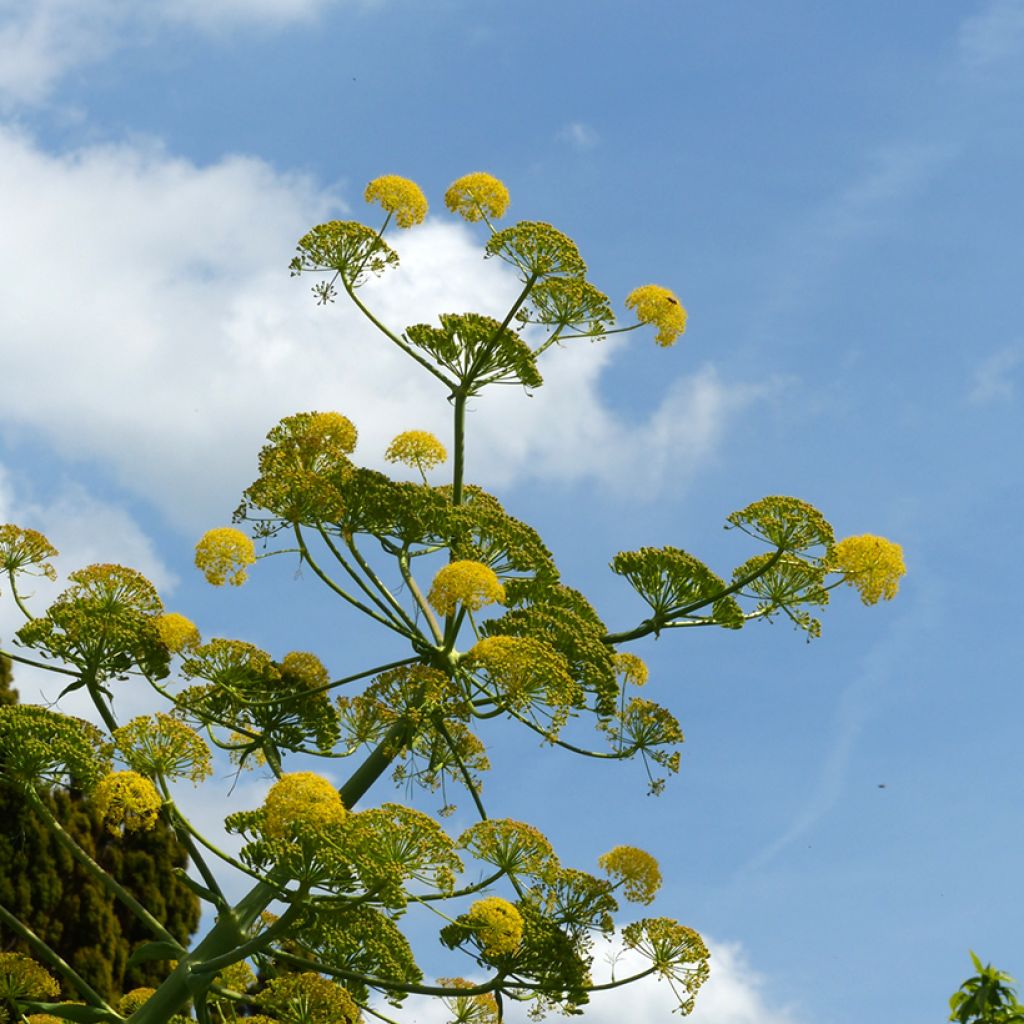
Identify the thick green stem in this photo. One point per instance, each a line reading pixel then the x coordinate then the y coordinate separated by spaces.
pixel 459 456
pixel 106 880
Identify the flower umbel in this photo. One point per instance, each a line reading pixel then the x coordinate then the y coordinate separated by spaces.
pixel 656 305
pixel 223 554
pixel 636 869
pixel 178 633
pixel 398 196
pixel 471 584
pixel 477 195
pixel 127 802
pixel 304 799
pixel 872 564
pixel 497 924
pixel 417 448
pixel 632 668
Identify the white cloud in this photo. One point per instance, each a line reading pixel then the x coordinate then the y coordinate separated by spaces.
pixel 993 379
pixel 44 40
pixel 992 36
pixel 734 994
pixel 151 325
pixel 86 531
pixel 579 135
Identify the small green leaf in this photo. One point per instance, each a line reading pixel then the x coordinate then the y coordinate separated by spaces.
pixel 156 951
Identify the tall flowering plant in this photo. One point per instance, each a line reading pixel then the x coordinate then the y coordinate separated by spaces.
pixel 489 630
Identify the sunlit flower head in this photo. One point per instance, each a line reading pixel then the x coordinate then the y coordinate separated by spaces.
pixel 131 1001
pixel 126 802
pixel 497 924
pixel 471 584
pixel 223 555
pixel 178 633
pixel 301 798
pixel 637 871
pixel 477 195
pixel 656 305
pixel 22 978
pixel 417 448
pixel 398 196
pixel 872 564
pixel 24 550
pixel 632 668
pixel 304 668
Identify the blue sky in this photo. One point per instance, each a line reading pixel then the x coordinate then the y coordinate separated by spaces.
pixel 833 191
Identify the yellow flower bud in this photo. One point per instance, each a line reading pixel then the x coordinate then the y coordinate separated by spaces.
pixel 471 584
pixel 872 564
pixel 418 448
pixel 656 305
pixel 497 924
pixel 477 195
pixel 223 554
pixel 127 802
pixel 400 196
pixel 178 633
pixel 301 798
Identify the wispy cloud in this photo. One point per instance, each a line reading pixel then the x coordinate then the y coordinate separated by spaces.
pixel 992 36
pixel 44 40
pixel 579 135
pixel 181 338
pixel 994 379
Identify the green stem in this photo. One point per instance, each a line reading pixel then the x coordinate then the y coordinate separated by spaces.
pixel 17 597
pixel 459 456
pixel 106 880
pixel 49 956
pixel 40 664
pixel 338 590
pixel 417 596
pixel 386 984
pixel 660 620
pixel 407 349
pixel 255 944
pixel 387 609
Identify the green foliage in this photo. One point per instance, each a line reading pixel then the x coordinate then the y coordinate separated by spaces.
pixel 47 890
pixel 986 998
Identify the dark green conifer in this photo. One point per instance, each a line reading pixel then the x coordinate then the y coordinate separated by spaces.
pixel 48 891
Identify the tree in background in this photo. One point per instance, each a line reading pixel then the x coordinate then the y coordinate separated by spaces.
pixel 986 998
pixel 63 904
pixel 476 625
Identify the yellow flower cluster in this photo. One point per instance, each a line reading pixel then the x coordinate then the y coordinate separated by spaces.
pixel 163 744
pixel 417 448
pixel 310 999
pixel 131 1001
pixel 400 196
pixel 304 668
pixel 656 305
pixel 631 668
pixel 178 633
pixel 497 925
pixel 481 1008
pixel 477 195
pixel 471 584
pixel 526 669
pixel 330 432
pixel 223 554
pixel 301 798
pixel 22 978
pixel 637 871
pixel 126 802
pixel 872 564
pixel 20 548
